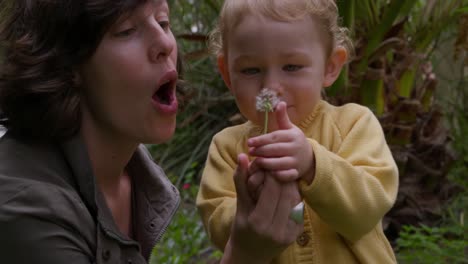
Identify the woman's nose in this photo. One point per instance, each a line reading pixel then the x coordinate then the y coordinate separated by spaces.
pixel 163 44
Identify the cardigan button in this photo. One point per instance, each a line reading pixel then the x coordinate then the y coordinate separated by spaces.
pixel 303 239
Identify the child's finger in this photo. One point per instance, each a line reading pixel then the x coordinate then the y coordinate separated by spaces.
pixel 286 175
pixel 274 164
pixel 282 118
pixel 273 150
pixel 283 175
pixel 270 138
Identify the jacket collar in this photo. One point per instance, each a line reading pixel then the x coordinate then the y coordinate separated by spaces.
pixel 155 199
pixel 77 158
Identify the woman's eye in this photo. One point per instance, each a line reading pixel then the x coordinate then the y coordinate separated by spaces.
pixel 125 32
pixel 291 67
pixel 250 71
pixel 165 24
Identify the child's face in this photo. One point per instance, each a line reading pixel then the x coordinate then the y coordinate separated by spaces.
pixel 287 57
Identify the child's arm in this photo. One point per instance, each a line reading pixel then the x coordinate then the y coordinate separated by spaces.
pixel 351 189
pixel 354 187
pixel 216 199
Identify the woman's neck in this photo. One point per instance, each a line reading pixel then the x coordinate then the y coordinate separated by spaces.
pixel 109 155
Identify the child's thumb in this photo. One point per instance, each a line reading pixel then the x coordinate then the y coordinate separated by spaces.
pixel 282 117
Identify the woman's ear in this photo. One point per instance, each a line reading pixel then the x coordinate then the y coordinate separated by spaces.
pixel 334 65
pixel 224 70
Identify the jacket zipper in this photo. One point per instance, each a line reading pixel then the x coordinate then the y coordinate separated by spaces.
pixel 163 230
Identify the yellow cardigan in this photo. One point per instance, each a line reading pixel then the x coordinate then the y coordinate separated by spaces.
pixel 355 184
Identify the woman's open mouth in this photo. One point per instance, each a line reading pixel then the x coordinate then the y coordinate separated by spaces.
pixel 164 98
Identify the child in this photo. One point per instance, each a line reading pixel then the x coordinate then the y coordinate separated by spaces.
pixel 346 175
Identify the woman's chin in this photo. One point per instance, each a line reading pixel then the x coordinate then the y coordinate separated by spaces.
pixel 161 135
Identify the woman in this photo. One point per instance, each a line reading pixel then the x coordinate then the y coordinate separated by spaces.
pixel 82 85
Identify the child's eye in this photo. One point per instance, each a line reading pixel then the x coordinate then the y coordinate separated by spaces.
pixel 250 71
pixel 291 67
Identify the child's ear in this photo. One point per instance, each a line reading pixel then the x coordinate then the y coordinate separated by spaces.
pixel 334 65
pixel 223 69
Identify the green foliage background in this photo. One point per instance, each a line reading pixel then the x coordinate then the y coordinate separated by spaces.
pixel 429 29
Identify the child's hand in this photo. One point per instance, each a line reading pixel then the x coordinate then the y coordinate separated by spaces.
pixel 285 152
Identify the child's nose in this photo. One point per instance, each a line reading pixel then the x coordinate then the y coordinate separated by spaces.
pixel 273 82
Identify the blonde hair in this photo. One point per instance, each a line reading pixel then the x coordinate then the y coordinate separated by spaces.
pixel 325 11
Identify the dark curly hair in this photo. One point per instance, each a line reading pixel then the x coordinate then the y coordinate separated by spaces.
pixel 43 42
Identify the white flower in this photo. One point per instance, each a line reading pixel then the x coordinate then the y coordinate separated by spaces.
pixel 266 100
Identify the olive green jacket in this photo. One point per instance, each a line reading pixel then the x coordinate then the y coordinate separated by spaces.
pixel 52 212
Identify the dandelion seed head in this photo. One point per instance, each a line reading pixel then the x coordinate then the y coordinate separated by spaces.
pixel 266 100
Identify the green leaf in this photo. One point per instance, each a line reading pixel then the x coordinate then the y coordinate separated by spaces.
pixel 338 88
pixel 347 9
pixel 372 95
pixel 462 10
pixel 395 9
pixel 406 83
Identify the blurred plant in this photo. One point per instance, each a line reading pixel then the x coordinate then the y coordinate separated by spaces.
pixel 447 243
pixel 185 240
pixel 392 73
pixel 433 245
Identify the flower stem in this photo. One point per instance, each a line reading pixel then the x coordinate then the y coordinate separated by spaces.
pixel 265 125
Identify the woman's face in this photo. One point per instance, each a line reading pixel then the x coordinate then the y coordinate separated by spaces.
pixel 130 81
